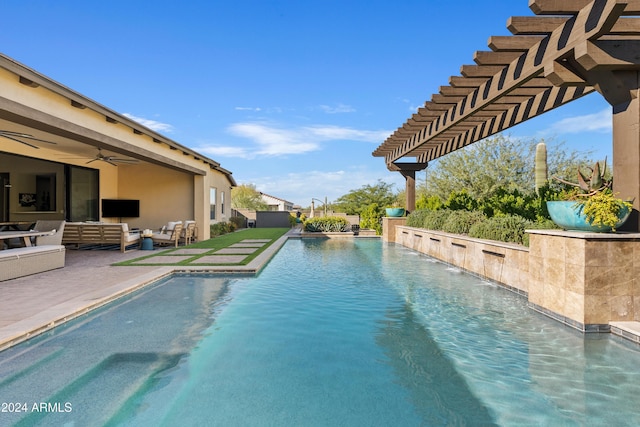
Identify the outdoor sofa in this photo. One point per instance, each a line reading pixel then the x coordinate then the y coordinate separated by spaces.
pixel 89 233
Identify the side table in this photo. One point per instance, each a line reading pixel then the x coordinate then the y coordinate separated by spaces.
pixel 146 244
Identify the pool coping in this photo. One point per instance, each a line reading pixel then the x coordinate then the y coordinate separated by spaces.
pixel 29 327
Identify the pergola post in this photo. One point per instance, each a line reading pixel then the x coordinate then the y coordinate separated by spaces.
pixel 410 190
pixel 626 157
pixel 408 170
pixel 622 91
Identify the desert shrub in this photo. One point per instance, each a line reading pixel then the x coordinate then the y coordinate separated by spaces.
pixel 431 203
pixel 461 200
pixel 435 219
pixel 370 218
pixel 327 224
pixel 417 218
pixel 504 202
pixel 461 221
pixel 506 228
pixel 237 221
pixel 219 228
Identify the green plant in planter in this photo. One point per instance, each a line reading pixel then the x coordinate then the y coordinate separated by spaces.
pixel 396 209
pixel 603 208
pixel 594 198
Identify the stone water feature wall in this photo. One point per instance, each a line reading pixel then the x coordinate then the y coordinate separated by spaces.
pixel 585 280
pixel 503 263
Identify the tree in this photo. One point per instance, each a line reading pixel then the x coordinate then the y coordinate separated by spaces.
pixel 246 196
pixel 370 217
pixel 354 202
pixel 499 162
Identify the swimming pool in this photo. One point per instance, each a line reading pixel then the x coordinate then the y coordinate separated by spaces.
pixel 332 332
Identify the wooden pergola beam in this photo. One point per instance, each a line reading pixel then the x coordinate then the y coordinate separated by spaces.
pixel 480 70
pixel 495 58
pixel 513 43
pixel 572 7
pixel 524 73
pixel 534 25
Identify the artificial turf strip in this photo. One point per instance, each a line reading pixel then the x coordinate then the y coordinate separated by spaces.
pixel 215 244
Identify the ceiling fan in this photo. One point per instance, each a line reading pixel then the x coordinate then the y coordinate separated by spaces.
pixel 112 160
pixel 18 137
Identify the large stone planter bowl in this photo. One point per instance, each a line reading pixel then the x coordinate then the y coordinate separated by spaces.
pixel 395 212
pixel 566 215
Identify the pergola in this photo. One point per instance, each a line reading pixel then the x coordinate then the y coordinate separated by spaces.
pixel 569 49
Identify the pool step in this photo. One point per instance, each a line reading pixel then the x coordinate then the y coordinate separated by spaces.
pixel 124 374
pixel 628 330
pixel 39 360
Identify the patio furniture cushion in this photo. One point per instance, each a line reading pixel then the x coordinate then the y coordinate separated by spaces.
pixel 169 237
pixel 49 225
pixel 188 232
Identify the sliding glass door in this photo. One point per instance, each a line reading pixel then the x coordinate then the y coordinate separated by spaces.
pixel 83 194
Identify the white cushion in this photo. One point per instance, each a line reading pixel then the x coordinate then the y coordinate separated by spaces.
pixel 172 224
pixel 131 237
pixel 161 236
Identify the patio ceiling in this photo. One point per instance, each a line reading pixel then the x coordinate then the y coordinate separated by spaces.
pixel 570 49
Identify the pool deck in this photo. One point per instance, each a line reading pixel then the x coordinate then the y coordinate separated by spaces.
pixel 33 304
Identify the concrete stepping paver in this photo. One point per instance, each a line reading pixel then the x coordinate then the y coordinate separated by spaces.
pixel 255 241
pixel 186 251
pixel 162 259
pixel 248 245
pixel 219 259
pixel 231 250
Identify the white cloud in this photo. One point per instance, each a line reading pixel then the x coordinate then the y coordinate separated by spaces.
pixel 336 133
pixel 597 122
pixel 271 140
pixel 225 151
pixel 248 108
pixel 340 108
pixel 151 124
pixel 294 187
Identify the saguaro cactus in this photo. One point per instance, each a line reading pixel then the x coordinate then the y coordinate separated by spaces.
pixel 541 165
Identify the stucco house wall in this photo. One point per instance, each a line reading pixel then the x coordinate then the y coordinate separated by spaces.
pixel 171 181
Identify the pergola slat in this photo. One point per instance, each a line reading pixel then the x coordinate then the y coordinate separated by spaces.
pixel 536 80
pixel 513 43
pixel 532 25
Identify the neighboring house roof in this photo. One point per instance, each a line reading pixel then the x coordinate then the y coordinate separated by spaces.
pixel 276 198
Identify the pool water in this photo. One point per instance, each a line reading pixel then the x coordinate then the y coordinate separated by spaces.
pixel 330 333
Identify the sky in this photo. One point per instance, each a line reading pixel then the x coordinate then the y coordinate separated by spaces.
pixel 291 96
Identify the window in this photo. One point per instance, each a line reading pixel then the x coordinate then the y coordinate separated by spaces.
pixel 212 201
pixel 222 202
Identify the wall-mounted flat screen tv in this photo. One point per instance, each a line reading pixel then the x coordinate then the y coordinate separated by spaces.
pixel 120 208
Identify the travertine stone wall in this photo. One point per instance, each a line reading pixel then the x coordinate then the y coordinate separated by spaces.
pixel 584 280
pixel 389 225
pixel 503 263
pixel 590 278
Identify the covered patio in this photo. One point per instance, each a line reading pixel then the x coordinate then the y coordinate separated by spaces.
pixel 62 154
